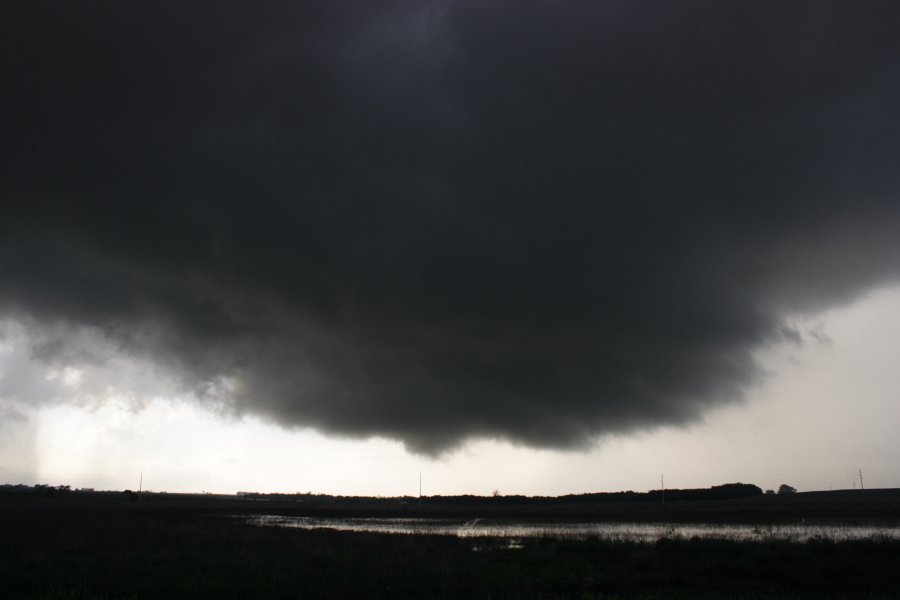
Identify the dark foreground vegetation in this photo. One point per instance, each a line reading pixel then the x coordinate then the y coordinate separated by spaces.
pixel 72 545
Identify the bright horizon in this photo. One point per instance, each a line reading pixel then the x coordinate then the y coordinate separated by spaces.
pixel 801 412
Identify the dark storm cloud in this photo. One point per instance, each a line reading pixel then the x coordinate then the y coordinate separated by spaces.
pixel 543 221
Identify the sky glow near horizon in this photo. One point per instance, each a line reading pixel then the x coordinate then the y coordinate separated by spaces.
pixel 828 409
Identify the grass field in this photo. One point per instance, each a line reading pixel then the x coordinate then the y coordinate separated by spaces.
pixel 103 546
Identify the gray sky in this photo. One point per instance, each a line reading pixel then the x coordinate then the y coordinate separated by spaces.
pixel 554 225
pixel 828 408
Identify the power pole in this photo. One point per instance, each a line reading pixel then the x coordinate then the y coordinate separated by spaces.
pixel 662 486
pixel 861 487
pixel 420 487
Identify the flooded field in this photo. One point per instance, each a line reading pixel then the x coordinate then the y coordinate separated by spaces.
pixel 632 532
pixel 105 545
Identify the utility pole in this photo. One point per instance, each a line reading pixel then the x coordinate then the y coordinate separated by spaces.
pixel 861 487
pixel 662 486
pixel 141 485
pixel 420 487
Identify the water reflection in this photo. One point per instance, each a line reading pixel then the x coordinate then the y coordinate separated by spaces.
pixel 632 532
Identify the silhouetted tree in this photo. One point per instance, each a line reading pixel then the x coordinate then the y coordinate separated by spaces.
pixel 784 490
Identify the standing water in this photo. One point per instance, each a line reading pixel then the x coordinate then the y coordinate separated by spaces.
pixel 631 532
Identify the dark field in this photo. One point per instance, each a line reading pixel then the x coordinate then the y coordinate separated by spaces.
pixel 106 546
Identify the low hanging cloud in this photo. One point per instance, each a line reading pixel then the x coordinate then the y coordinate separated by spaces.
pixel 432 221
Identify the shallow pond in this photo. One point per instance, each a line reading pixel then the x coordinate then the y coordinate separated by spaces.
pixel 634 532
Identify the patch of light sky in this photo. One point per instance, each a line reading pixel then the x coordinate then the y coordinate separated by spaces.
pixel 829 408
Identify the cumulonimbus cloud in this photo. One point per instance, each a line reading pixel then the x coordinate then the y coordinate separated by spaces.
pixel 542 221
